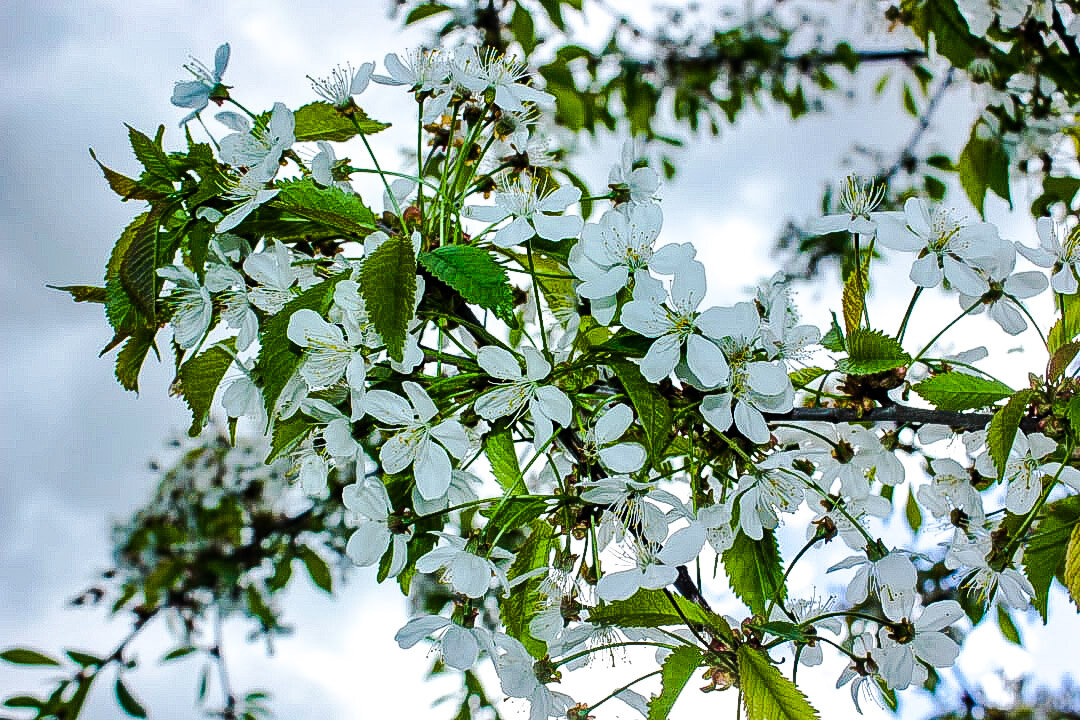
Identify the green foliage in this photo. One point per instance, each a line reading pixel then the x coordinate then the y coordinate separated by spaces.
pixel 1008 628
pixel 834 338
pixel 278 358
pixel 657 608
pixel 652 409
pixel 1045 553
pixel 199 378
pixel 121 309
pixel 27 656
pixel 317 569
pixel 286 435
pixel 984 165
pixel 130 359
pixel 942 19
pixel 677 670
pixel 955 391
pixel 768 695
pixel 912 513
pixel 1067 326
pixel 475 275
pixel 854 296
pixel 755 571
pixel 499 449
pixel 322 121
pixel 1001 431
pixel 388 285
pixel 127 701
pixel 871 351
pixel 332 207
pixel 520 605
pixel 1071 574
pixel 152 156
pixel 804 376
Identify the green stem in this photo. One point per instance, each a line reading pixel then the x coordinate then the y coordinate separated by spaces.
pixel 382 175
pixel 907 314
pixel 627 686
pixel 945 329
pixel 1006 557
pixel 536 295
pixel 1033 323
pixel 612 646
pixel 780 587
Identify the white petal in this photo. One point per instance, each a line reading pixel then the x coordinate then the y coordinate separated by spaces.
pixel 554 404
pixel 613 423
pixel 623 458
pixel 662 356
pixel 459 648
pixel 936 648
pixel 368 543
pixel 432 470
pixel 389 408
pixel 684 545
pixel 498 363
pixel 396 455
pixel 939 616
pixel 706 361
pixel 619 585
pixel 419 628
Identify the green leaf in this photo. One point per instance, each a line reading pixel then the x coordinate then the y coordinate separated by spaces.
pixel 804 376
pixel 913 513
pixel 177 653
pixel 909 102
pixel 955 391
pixel 1060 360
pixel 120 308
pixel 26 656
pixel 322 121
pixel 519 607
pixel 138 268
pixel 984 165
pixel 854 296
pixel 676 671
pixel 199 379
pixel 1008 628
pixel 84 659
pixel 871 351
pixel 83 293
pixel 333 207
pixel 653 410
pixel 425 10
pixel 287 434
pixel 1045 553
pixel 521 24
pixel 23 701
pixel 127 188
pixel 1071 574
pixel 278 357
pixel 768 695
pixel 127 701
pixel 653 608
pixel 1001 431
pixel 129 360
pixel 388 285
pixel 1067 327
pixel 834 339
pixel 317 568
pixel 950 30
pixel 755 571
pixel 150 154
pixel 475 275
pixel 499 449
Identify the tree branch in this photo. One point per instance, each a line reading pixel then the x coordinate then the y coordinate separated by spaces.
pixel 893 413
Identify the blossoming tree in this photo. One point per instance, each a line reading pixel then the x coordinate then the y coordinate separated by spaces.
pixel 509 394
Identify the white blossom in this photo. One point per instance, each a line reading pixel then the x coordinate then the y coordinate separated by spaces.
pixel 892 578
pixel 368 501
pixel 1058 249
pixel 533 213
pixel 902 646
pixel 547 404
pixel 464 571
pixel 458 646
pixel 858 200
pixel 192 306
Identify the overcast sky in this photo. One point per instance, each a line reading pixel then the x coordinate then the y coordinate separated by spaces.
pixel 77 445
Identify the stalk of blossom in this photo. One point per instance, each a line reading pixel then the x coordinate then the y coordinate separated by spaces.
pixel 902 644
pixel 464 571
pixel 368 501
pixel 676 325
pixel 1058 249
pixel 532 213
pixel 947 248
pixel 547 404
pixel 846 513
pixel 195 94
pixel 800 611
pixel 892 578
pixel 655 567
pixel 192 306
pixel 458 646
pixel 419 442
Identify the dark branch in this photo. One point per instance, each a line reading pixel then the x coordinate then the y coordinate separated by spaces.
pixel 923 126
pixel 893 413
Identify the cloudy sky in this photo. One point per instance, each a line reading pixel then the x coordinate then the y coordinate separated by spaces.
pixel 76 445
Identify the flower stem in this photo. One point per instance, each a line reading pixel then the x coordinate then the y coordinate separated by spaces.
pixel 945 329
pixel 627 686
pixel 907 314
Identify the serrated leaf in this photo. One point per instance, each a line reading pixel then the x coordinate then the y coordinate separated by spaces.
pixel 199 379
pixel 388 285
pixel 653 608
pixel 120 308
pixel 83 293
pixel 768 695
pixel 834 338
pixel 1067 327
pixel 26 656
pixel 955 391
pixel 317 568
pixel 755 571
pixel 127 701
pixel 474 274
pixel 1008 628
pixel 518 607
pixel 1060 360
pixel 129 360
pixel 138 267
pixel 854 296
pixel 1044 554
pixel 333 207
pixel 1001 431
pixel 278 357
pixel 150 154
pixel 653 411
pixel 127 188
pixel 322 121
pixel 499 450
pixel 804 376
pixel 287 434
pixel 676 671
pixel 1072 566
pixel 871 351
